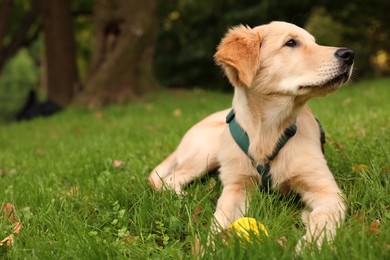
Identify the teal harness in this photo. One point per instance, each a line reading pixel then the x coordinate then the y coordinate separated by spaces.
pixel 241 138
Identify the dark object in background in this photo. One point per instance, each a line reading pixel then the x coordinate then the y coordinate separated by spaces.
pixel 32 108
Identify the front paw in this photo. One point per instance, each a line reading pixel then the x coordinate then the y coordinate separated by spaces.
pixel 155 182
pixel 310 239
pixel 321 226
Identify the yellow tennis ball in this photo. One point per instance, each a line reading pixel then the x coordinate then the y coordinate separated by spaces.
pixel 244 226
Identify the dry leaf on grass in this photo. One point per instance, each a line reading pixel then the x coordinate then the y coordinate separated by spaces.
pixel 149 107
pixel 128 239
pixel 195 213
pixel 99 115
pixel 385 170
pixel 282 241
pixel 372 229
pixel 196 249
pixel 9 213
pixel 375 228
pixel 332 142
pixel 347 101
pixel 359 167
pixel 211 185
pixel 17 228
pixel 3 172
pixel 8 241
pixel 359 216
pixel 117 163
pixel 73 190
pixel 177 112
pixel 40 151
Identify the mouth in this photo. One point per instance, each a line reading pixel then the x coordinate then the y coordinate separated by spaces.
pixel 334 82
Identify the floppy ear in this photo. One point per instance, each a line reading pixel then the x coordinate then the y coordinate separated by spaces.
pixel 239 55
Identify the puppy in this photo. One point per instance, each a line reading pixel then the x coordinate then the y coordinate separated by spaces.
pixel 275 69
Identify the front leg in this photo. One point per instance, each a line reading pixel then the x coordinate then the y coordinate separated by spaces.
pixel 325 206
pixel 232 202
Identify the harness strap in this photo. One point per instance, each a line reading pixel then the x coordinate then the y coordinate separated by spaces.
pixel 241 138
pixel 239 135
pixel 322 136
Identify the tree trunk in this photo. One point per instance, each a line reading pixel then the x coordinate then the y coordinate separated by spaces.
pixel 121 65
pixel 60 51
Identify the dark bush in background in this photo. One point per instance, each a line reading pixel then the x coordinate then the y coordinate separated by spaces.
pixel 191 30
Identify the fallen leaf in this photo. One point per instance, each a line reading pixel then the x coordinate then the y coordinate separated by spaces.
pixel 40 151
pixel 177 112
pixel 177 92
pixel 17 228
pixel 153 129
pixel 196 249
pixel 8 241
pixel 347 101
pixel 117 163
pixel 359 167
pixel 149 107
pixel 212 184
pixel 282 241
pixel 128 239
pixel 195 213
pixel 338 146
pixel 3 172
pixel 73 190
pixel 375 228
pixel 10 214
pixel 359 216
pixel 386 170
pixel 99 115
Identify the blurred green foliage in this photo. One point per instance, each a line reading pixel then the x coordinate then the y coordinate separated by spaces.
pixel 84 36
pixel 18 12
pixel 190 31
pixel 19 76
pixel 84 33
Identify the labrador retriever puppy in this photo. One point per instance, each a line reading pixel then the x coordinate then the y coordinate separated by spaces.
pixel 275 69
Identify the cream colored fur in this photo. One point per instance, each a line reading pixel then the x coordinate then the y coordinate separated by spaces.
pixel 273 81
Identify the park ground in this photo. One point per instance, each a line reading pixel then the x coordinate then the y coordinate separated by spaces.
pixel 74 185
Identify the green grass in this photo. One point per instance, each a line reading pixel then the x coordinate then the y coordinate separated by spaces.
pixel 114 214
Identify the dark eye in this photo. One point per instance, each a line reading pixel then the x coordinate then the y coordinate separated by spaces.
pixel 291 43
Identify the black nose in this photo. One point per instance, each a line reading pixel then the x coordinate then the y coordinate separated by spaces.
pixel 345 55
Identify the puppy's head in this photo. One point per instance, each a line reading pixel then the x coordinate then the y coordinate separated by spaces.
pixel 281 58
